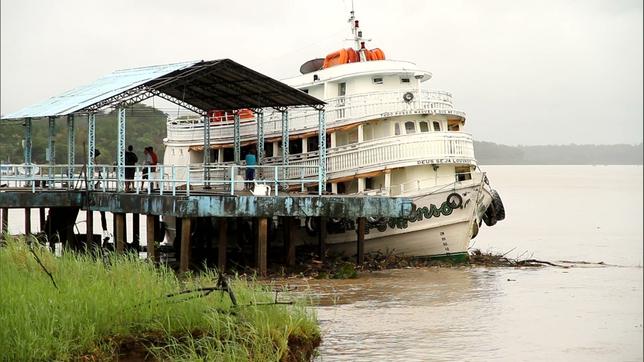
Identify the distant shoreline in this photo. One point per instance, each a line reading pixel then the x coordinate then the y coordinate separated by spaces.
pixel 489 153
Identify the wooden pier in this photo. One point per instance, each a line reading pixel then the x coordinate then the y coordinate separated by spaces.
pixel 187 210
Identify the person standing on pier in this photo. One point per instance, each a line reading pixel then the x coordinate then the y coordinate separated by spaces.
pixel 251 162
pixel 151 160
pixel 130 161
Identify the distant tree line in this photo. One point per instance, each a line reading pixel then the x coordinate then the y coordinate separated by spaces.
pixel 144 126
pixel 488 153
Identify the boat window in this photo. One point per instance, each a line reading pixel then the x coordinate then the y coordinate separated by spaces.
pixel 268 149
pixel 377 80
pixel 397 129
pixel 437 126
pixel 410 127
pixel 305 90
pixel 342 89
pixel 404 80
pixel 424 127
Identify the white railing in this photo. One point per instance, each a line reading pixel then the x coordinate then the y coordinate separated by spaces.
pixel 390 152
pixel 339 111
pixel 165 179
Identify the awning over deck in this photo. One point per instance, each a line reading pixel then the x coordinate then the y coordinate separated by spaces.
pixel 199 86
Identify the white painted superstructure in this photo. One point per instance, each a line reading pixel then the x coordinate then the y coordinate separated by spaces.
pixel 388 133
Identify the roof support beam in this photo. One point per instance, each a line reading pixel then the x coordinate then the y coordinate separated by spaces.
pixel 206 151
pixel 259 118
pixel 51 150
pixel 178 102
pixel 285 141
pixel 121 150
pixel 91 149
pixel 322 151
pixel 71 147
pixel 27 150
pixel 237 138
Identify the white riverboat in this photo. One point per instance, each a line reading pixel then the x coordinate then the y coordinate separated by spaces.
pixel 388 133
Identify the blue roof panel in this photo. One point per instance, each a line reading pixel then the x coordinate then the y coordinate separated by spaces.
pixel 103 88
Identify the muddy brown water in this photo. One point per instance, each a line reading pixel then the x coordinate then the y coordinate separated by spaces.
pixel 584 313
pixel 588 312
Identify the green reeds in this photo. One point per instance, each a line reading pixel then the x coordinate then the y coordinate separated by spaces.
pixel 111 304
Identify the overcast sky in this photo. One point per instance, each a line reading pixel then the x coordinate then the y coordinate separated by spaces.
pixel 526 72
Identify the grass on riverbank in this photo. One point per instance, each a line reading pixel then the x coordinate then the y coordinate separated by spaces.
pixel 117 305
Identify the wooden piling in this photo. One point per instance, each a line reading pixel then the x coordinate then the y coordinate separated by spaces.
pixel 42 219
pixel 119 226
pixel 288 229
pixel 5 221
pixel 27 221
pixel 136 232
pixel 150 224
pixel 322 237
pixel 360 243
pixel 89 233
pixel 262 245
pixel 185 245
pixel 223 243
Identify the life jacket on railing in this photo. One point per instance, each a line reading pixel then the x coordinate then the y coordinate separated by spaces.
pixel 218 115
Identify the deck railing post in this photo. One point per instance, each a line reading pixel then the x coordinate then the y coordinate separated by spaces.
pixel 174 181
pixel 161 181
pixel 187 182
pixel 285 141
pixel 232 180
pixel 275 177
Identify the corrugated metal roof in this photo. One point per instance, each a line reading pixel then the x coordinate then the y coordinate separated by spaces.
pixel 206 85
pixel 105 87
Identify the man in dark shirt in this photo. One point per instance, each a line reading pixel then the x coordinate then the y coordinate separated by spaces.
pixel 130 161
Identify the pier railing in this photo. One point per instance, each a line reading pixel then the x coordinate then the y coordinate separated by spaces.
pixel 164 179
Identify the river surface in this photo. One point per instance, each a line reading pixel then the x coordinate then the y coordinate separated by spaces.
pixel 583 313
pixel 589 312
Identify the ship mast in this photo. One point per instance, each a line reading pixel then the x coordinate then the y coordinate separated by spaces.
pixel 357 36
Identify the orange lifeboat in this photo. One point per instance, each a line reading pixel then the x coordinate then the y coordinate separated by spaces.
pixel 339 57
pixel 352 55
pixel 377 54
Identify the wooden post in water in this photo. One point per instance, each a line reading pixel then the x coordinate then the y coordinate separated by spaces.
pixel 27 222
pixel 184 262
pixel 150 221
pixel 360 244
pixel 322 237
pixel 89 233
pixel 288 226
pixel 119 226
pixel 223 243
pixel 136 237
pixel 42 219
pixel 262 245
pixel 4 221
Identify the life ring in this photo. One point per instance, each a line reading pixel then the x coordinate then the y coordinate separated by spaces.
pixel 454 200
pixel 408 97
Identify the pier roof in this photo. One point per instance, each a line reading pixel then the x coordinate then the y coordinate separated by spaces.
pixel 199 86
